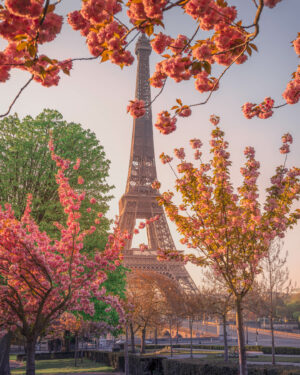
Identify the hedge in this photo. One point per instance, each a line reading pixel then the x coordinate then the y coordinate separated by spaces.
pixel 259 348
pixel 195 367
pixel 281 350
pixel 138 365
pixel 46 356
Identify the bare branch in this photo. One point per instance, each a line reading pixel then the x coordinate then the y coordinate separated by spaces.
pixel 17 97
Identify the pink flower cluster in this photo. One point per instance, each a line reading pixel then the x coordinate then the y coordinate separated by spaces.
pixel 184 111
pixel 104 36
pixel 177 68
pixel 296 44
pixel 179 153
pixel 203 83
pixel 145 9
pixel 165 123
pixel 196 143
pixel 209 13
pixel 136 108
pixel 292 91
pixel 263 110
pixel 161 42
pixel 271 3
pixel 21 26
pixel 286 140
pixel 155 185
pixel 165 158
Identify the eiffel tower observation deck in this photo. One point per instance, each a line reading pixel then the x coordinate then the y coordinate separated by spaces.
pixel 140 199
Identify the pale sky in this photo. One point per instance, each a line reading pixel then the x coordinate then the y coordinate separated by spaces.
pixel 96 95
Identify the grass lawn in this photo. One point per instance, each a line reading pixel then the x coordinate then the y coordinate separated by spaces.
pixel 278 358
pixel 64 366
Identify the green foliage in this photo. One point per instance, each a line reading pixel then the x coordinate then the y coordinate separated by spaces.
pixel 115 284
pixel 26 167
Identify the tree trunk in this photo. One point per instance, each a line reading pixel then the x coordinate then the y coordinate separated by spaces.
pixel 143 340
pixel 132 339
pixel 171 342
pixel 76 350
pixel 241 337
pixel 191 337
pixel 177 328
pixel 4 354
pixel 30 356
pixel 225 338
pixel 273 340
pixel 126 351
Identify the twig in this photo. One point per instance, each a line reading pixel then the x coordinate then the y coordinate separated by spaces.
pixel 218 80
pixel 17 96
pixel 255 3
pixel 160 92
pixel 280 105
pixel 132 40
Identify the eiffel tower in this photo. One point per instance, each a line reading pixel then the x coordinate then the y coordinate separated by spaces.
pixel 140 199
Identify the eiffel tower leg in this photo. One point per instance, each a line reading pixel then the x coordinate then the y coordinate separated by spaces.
pixel 127 222
pixel 164 238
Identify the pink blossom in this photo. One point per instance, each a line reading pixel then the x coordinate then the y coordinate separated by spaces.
pixel 184 111
pixel 197 154
pixel 287 138
pixel 271 3
pixel 203 83
pixel 143 247
pixel 77 165
pixel 160 42
pixel 155 185
pixel 165 123
pixel 292 91
pixel 80 180
pixel 296 44
pixel 136 108
pixel 179 153
pixel 165 158
pixel 284 149
pixel 195 143
pixel 214 119
pixel 93 201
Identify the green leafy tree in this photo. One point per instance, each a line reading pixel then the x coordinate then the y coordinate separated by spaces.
pixel 26 167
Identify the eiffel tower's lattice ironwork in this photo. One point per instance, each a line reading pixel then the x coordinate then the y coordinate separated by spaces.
pixel 140 199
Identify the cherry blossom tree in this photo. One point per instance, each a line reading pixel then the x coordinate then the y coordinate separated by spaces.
pixel 109 26
pixel 230 231
pixel 40 277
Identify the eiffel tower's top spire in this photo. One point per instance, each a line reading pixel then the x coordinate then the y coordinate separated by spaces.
pixel 143 43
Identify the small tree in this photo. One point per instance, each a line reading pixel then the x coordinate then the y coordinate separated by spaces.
pixel 40 277
pixel 143 295
pixel 230 229
pixel 193 309
pixel 275 283
pixel 219 302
